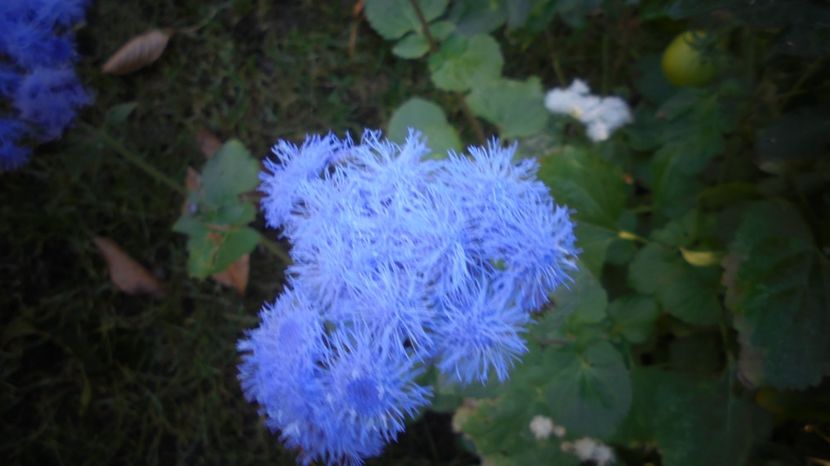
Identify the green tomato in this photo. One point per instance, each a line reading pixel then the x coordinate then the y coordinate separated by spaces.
pixel 685 65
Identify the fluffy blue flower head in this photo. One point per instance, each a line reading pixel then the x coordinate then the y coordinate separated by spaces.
pixel 400 263
pixel 36 76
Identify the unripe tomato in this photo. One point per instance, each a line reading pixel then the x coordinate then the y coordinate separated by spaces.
pixel 683 64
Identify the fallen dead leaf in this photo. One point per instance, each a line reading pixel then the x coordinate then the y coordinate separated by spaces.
pixel 236 275
pixel 138 52
pixel 125 273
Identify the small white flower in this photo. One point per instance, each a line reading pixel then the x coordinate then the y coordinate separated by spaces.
pixel 559 431
pixel 584 448
pixel 603 455
pixel 588 449
pixel 601 115
pixel 541 426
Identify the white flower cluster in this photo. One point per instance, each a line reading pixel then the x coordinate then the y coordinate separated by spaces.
pixel 588 449
pixel 601 115
pixel 543 426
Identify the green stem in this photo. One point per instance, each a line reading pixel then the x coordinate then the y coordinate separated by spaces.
pixel 433 45
pixel 274 249
pixel 134 159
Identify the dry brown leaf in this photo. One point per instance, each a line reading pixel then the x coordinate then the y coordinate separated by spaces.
pixel 138 52
pixel 126 274
pixel 209 144
pixel 236 275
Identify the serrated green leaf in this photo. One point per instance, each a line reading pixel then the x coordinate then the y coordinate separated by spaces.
pixel 237 213
pixel 686 292
pixel 229 173
pixel 595 189
pixel 394 18
pixel 428 118
pixel 781 292
pixel 515 107
pixel 583 301
pixel 413 45
pixel 590 391
pixel 634 317
pixel 464 63
pixel 500 427
pixel 692 419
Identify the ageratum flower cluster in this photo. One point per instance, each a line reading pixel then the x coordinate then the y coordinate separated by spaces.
pixel 37 80
pixel 399 262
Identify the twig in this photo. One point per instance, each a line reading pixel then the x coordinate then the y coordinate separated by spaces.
pixel 471 118
pixel 274 249
pixel 433 45
pixel 134 159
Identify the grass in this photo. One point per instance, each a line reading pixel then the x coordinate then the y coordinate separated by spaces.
pixel 93 376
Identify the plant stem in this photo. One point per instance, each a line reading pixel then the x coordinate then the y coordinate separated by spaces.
pixel 433 45
pixel 471 118
pixel 274 249
pixel 134 159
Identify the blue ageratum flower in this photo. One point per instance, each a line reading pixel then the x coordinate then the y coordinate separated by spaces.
pixel 36 76
pixel 400 262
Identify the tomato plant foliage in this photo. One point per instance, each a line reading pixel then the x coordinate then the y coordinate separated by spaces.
pixel 704 280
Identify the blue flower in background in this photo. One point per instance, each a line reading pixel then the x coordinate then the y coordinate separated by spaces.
pixel 399 262
pixel 36 76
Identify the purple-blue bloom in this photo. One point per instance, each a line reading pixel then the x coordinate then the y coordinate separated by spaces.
pixel 36 76
pixel 400 263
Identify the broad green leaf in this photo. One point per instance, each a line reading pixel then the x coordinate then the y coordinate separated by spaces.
pixel 686 292
pixel 118 114
pixel 463 63
pixel 595 189
pixel 515 107
pixel 229 173
pixel 692 419
pixel 782 291
pixel 500 427
pixel 690 130
pixel 429 119
pixel 213 250
pixel 413 45
pixel 476 16
pixel 583 301
pixel 589 391
pixel 634 317
pixel 394 18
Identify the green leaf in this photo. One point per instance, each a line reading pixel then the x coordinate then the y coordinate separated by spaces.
pixel 118 114
pixel 229 173
pixel 782 291
pixel 413 45
pixel 595 189
pixel 583 301
pixel 394 18
pixel 500 427
pixel 463 63
pixel 427 118
pixel 589 392
pixel 516 107
pixel 690 129
pixel 692 419
pixel 634 317
pixel 476 16
pixel 686 292
pixel 212 251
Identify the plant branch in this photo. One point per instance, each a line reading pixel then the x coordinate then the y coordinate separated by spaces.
pixel 433 45
pixel 274 249
pixel 472 120
pixel 135 159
